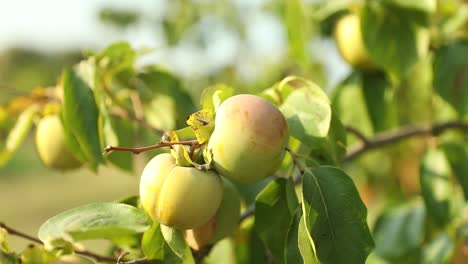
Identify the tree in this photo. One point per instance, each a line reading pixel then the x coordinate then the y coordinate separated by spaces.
pixel 390 139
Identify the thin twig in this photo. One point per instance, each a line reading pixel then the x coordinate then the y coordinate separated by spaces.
pixel 95 256
pixel 147 148
pixel 387 138
pixel 357 133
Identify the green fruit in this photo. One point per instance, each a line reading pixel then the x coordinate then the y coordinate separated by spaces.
pixel 222 224
pixel 350 44
pixel 249 138
pixel 51 146
pixel 180 197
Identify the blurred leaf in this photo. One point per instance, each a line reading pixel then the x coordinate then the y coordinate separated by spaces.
pixel 296 27
pixel 305 243
pixel 119 18
pixel 394 38
pixel 439 250
pixel 340 231
pixel 212 96
pixel 308 113
pixel 123 131
pixel 115 58
pixel 250 190
pixel 166 103
pixel 436 186
pixel 275 208
pixel 35 254
pixel 18 133
pixel 332 149
pixel 277 93
pixel 175 240
pixel 374 87
pixel 8 258
pixel 80 116
pixel 120 223
pixel 400 230
pixel 153 242
pixel 292 253
pixel 456 21
pixel 326 13
pixel 450 74
pixel 202 122
pixel 457 156
pixel 133 200
pixel 428 6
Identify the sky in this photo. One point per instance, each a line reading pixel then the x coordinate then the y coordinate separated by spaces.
pixel 57 25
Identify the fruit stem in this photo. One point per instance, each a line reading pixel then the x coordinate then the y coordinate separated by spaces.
pixel 191 143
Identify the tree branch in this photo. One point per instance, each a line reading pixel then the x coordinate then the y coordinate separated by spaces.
pixel 191 143
pixel 95 256
pixel 387 138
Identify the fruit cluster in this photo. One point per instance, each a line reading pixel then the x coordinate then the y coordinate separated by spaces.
pixel 247 144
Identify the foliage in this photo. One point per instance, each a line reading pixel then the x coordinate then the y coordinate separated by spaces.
pixel 325 204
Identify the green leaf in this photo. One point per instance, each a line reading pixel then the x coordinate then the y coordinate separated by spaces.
pixel 332 149
pixel 428 6
pixel 400 230
pixel 80 116
pixel 374 87
pixel 436 186
pixel 450 70
pixel 275 208
pixel 175 240
pixel 296 27
pixel 153 242
pixel 308 113
pixel 166 103
pixel 18 133
pixel 340 231
pixel 8 258
pixel 439 250
pixel 394 38
pixel 305 243
pixel 202 122
pixel 116 58
pixel 457 155
pixel 212 96
pixel 121 134
pixel 292 252
pixel 120 223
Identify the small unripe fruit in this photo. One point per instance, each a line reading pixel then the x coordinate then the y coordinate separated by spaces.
pixel 180 197
pixel 348 37
pixel 51 146
pixel 249 139
pixel 222 224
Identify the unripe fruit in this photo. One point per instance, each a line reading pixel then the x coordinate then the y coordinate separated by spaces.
pixel 51 146
pixel 348 38
pixel 180 197
pixel 222 224
pixel 249 139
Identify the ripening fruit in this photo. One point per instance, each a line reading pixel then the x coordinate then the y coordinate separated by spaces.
pixel 249 139
pixel 180 197
pixel 51 147
pixel 348 38
pixel 222 224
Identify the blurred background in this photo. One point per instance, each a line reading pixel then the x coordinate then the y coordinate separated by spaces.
pixel 242 43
